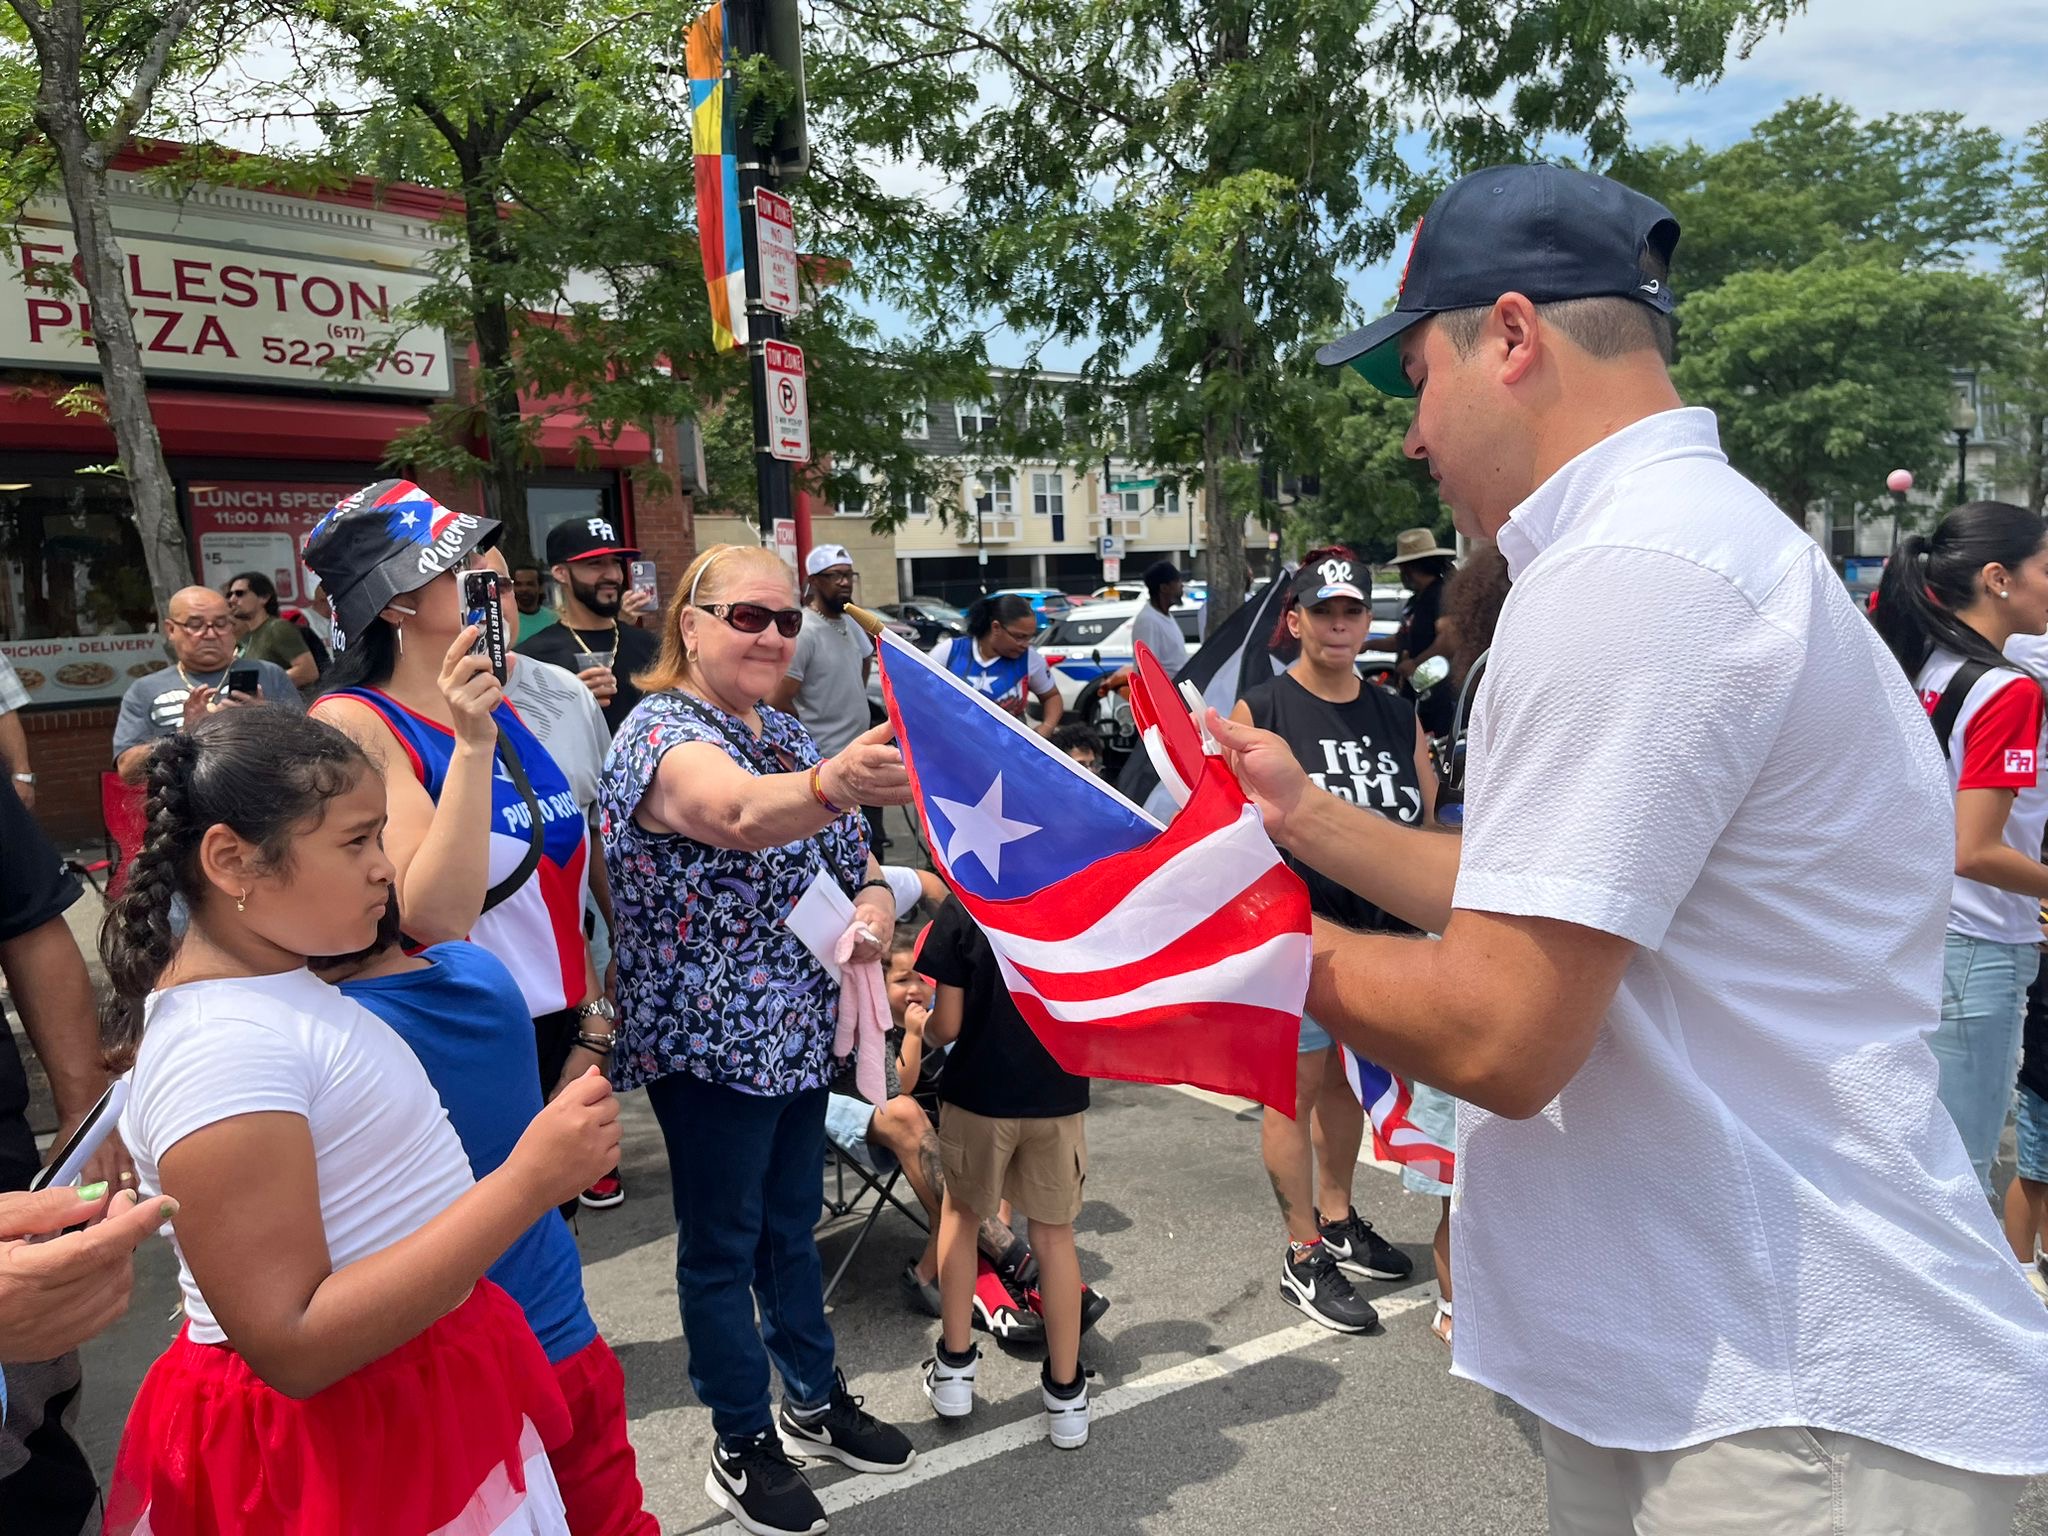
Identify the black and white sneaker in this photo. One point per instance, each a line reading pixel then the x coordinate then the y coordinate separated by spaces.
pixel 949 1381
pixel 845 1431
pixel 1066 1408
pixel 1312 1282
pixel 758 1484
pixel 1356 1247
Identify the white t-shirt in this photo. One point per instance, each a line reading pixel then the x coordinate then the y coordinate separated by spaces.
pixel 1161 632
pixel 388 1160
pixel 566 717
pixel 1995 743
pixel 1691 738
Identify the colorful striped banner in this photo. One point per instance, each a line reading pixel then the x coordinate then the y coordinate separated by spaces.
pixel 712 136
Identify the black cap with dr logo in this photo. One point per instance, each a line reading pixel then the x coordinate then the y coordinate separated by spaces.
pixel 1543 231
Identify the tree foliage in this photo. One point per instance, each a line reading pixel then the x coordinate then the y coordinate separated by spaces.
pixel 1197 178
pixel 2021 386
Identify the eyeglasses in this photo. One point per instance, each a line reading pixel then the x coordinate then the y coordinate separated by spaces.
pixel 752 618
pixel 1025 638
pixel 204 626
pixel 238 593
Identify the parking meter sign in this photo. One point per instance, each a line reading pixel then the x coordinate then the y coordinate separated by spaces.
pixel 789 412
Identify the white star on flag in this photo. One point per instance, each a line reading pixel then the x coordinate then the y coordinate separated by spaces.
pixel 409 519
pixel 982 829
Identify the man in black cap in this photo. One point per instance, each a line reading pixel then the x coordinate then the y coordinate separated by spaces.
pixel 588 561
pixel 1691 938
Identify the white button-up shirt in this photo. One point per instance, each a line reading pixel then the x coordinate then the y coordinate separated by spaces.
pixel 1747 1208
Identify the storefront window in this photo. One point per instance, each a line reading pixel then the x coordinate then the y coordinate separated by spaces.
pixel 76 611
pixel 547 506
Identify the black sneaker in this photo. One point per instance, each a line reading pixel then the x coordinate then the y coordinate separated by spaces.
pixel 1018 1265
pixel 1356 1247
pixel 847 1432
pixel 758 1484
pixel 1000 1310
pixel 1312 1282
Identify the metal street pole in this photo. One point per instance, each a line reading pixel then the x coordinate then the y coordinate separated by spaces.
pixel 1962 465
pixel 747 20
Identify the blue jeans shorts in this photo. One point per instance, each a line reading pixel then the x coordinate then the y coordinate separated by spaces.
pixel 1313 1037
pixel 2032 1123
pixel 847 1118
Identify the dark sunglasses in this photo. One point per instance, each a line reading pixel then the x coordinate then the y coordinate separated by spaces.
pixel 752 618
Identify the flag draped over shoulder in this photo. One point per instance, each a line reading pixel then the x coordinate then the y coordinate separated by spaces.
pixel 1174 954
pixel 713 132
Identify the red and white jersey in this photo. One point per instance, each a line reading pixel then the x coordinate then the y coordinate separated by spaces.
pixel 1996 744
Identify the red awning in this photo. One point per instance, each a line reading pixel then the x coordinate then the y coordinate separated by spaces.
pixel 194 422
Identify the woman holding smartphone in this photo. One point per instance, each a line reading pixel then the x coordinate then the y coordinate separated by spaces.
pixel 486 836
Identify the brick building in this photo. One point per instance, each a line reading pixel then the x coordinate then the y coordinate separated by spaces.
pixel 240 297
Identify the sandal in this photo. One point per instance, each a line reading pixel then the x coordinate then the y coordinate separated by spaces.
pixel 1440 1325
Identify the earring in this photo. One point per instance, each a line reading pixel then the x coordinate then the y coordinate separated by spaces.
pixel 242 902
pixel 399 631
pixel 2003 596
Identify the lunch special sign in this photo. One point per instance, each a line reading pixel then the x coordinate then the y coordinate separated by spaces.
pixel 210 312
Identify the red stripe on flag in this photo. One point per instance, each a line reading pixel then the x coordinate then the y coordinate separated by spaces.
pixel 1250 919
pixel 1233 1048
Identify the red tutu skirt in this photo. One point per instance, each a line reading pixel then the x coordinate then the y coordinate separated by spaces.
pixel 434 1439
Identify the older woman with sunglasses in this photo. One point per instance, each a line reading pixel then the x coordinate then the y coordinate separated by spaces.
pixel 717 814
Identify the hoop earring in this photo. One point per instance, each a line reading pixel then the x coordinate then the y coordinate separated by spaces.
pixel 242 902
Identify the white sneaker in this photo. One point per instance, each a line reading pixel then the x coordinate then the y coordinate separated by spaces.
pixel 1066 1418
pixel 951 1387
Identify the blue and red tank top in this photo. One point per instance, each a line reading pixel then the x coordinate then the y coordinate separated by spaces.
pixel 537 931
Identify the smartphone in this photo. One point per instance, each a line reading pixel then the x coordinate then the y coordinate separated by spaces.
pixel 244 682
pixel 480 607
pixel 642 575
pixel 69 1161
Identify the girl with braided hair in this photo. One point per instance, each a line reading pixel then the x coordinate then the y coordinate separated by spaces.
pixel 343 1364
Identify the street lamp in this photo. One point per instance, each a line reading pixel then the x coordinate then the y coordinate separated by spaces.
pixel 982 490
pixel 1962 421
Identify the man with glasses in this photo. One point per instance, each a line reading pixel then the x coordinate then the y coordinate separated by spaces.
pixel 252 600
pixel 202 635
pixel 827 685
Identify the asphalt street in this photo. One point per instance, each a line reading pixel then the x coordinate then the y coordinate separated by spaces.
pixel 1220 1409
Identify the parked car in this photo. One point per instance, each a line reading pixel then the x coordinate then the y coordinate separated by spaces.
pixel 1387 603
pixel 1048 603
pixel 1097 640
pixel 933 618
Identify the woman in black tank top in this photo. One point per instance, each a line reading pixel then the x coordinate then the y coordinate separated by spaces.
pixel 1363 744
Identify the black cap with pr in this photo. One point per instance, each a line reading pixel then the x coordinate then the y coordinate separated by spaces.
pixel 586 538
pixel 1544 231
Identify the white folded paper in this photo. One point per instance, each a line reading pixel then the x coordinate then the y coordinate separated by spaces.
pixel 821 915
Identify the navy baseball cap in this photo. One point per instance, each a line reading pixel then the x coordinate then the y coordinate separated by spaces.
pixel 386 540
pixel 1544 231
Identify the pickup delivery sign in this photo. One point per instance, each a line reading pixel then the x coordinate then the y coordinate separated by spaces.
pixel 212 313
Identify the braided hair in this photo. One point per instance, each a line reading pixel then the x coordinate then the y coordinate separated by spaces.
pixel 262 772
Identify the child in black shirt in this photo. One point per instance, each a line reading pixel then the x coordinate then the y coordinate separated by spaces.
pixel 1010 1126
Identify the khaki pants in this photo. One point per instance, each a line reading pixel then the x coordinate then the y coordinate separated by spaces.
pixel 1769 1482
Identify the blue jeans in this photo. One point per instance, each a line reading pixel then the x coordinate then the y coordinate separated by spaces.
pixel 1983 998
pixel 745 1174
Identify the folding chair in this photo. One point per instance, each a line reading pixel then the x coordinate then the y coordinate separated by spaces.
pixel 122 812
pixel 838 1204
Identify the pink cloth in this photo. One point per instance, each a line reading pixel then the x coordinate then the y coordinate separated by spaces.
pixel 863 1016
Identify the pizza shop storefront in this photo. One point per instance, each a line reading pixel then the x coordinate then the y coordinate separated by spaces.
pixel 239 298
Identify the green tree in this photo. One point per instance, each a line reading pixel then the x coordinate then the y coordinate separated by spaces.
pixel 1368 489
pixel 2021 387
pixel 1198 176
pixel 70 101
pixel 1916 190
pixel 1828 376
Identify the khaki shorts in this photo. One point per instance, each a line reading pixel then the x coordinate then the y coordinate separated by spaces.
pixel 1037 1165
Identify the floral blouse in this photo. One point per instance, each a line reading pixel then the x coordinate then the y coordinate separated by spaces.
pixel 711 982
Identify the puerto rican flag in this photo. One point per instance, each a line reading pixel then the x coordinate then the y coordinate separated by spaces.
pixel 410 513
pixel 1395 1138
pixel 1175 954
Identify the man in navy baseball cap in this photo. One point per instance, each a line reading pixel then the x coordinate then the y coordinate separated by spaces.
pixel 1672 955
pixel 1546 232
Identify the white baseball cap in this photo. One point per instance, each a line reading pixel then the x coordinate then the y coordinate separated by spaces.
pixel 824 557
